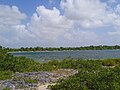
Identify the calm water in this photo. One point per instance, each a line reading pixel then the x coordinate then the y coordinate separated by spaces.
pixel 60 55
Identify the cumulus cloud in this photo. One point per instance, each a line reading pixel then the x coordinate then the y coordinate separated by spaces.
pixel 88 13
pixel 117 9
pixel 112 1
pixel 49 24
pixel 79 25
pixel 52 28
pixel 45 27
pixel 51 1
pixel 12 32
pixel 91 14
pixel 10 15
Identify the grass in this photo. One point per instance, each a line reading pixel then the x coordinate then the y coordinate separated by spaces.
pixel 30 81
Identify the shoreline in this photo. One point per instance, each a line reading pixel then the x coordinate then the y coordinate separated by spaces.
pixel 63 50
pixel 40 51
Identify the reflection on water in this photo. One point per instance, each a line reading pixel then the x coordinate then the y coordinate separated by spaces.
pixel 60 55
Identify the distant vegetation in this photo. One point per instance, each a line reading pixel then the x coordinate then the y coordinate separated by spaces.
pixel 100 47
pixel 93 74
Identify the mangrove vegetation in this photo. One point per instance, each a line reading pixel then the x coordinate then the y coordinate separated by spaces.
pixel 100 47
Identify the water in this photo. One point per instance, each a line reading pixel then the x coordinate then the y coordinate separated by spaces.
pixel 60 55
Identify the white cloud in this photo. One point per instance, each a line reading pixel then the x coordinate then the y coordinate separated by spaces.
pixel 82 37
pixel 114 33
pixel 89 13
pixel 117 9
pixel 93 15
pixel 48 24
pixel 12 32
pixel 10 15
pixel 112 1
pixel 79 25
pixel 53 29
pixel 51 1
pixel 116 22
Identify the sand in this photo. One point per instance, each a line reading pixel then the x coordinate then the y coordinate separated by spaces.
pixel 44 87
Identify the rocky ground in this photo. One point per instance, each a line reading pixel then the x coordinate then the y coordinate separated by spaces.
pixel 32 80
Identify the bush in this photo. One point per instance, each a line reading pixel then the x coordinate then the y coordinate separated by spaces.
pixel 30 81
pixel 108 63
pixel 5 75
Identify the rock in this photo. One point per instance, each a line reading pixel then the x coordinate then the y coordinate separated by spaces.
pixel 18 80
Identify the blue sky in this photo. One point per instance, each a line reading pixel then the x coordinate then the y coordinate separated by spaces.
pixel 29 6
pixel 55 23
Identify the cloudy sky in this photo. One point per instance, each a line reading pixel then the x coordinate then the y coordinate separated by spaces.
pixel 54 23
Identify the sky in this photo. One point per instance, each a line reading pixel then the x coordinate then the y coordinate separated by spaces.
pixel 55 23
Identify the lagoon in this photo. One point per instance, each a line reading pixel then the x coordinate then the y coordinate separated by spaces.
pixel 45 56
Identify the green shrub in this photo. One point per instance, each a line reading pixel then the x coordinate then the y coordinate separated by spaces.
pixel 108 63
pixel 5 75
pixel 30 81
pixel 6 89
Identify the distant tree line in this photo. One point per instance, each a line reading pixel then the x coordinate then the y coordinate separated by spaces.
pixel 100 47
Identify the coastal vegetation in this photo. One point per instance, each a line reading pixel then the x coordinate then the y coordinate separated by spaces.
pixel 100 47
pixel 92 74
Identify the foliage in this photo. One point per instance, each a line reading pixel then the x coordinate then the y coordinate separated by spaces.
pixel 30 81
pixel 108 63
pixel 111 62
pixel 97 78
pixel 100 47
pixel 6 89
pixel 16 64
pixel 5 75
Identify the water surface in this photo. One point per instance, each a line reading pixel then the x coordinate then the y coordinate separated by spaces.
pixel 60 55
